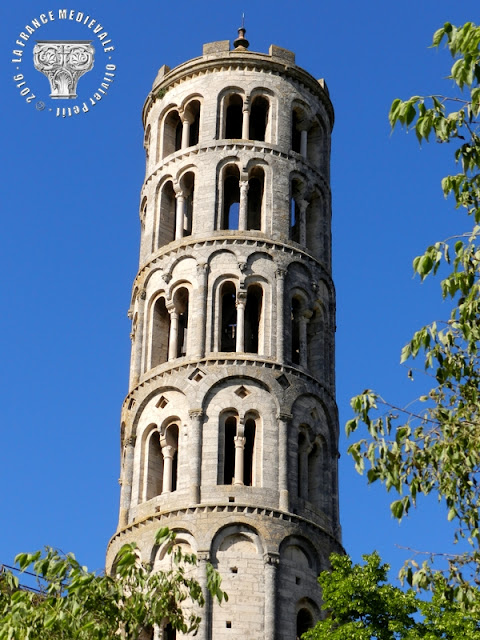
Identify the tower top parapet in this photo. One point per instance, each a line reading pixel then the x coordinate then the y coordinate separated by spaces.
pixel 219 55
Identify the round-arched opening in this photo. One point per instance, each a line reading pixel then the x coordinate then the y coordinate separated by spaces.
pixel 231 198
pixel 304 622
pixel 229 317
pixel 258 118
pixel 234 117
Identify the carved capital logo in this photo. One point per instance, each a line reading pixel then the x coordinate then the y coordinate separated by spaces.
pixel 63 62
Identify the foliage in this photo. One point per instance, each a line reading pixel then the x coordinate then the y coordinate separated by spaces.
pixel 436 448
pixel 76 603
pixel 362 606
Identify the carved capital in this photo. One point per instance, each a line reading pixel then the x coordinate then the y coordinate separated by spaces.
pixel 239 442
pixel 195 414
pixel 273 559
pixel 241 299
pixel 143 294
pixel 203 268
pixel 303 204
pixel 280 273
pixel 167 277
pixel 203 556
pixel 168 451
pixel 130 441
pixel 285 417
pixel 63 62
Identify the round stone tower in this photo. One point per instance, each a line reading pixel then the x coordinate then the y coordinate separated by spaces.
pixel 229 430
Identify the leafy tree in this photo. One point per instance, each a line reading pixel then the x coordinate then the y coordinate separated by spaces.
pixel 434 447
pixel 362 606
pixel 76 603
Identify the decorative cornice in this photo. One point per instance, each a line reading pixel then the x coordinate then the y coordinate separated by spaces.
pixel 248 145
pixel 239 509
pixel 234 359
pixel 244 238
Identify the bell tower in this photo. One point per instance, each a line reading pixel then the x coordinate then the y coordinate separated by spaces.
pixel 229 430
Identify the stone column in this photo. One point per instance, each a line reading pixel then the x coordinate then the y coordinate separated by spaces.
pixel 283 422
pixel 203 632
pixel 186 122
pixel 201 321
pixel 195 453
pixel 271 561
pixel 240 304
pixel 302 322
pixel 246 119
pixel 280 314
pixel 168 452
pixel 126 482
pixel 302 206
pixel 179 215
pixel 243 208
pixel 173 338
pixel 303 142
pixel 303 472
pixel 239 451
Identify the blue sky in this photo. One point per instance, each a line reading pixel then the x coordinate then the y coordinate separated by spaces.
pixel 70 198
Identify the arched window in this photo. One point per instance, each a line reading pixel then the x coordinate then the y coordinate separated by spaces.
pixel 255 198
pixel 161 463
pixel 249 453
pixel 295 330
pixel 233 116
pixel 302 445
pixel 160 333
pixel 146 142
pixel 231 197
pixel 172 133
pixel 258 118
pixel 304 622
pixel 143 208
pixel 153 481
pixel 228 324
pixel 296 190
pixel 294 221
pixel 192 113
pixel 180 301
pixel 170 457
pixel 229 450
pixel 296 135
pixel 253 314
pixel 187 185
pixel 314 474
pixel 238 446
pixel 166 226
pixel 314 145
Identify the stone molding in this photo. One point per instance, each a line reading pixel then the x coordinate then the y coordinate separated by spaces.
pixel 244 238
pixel 246 511
pixel 152 377
pixel 248 145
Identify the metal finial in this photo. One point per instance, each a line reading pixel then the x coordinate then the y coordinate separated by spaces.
pixel 241 42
